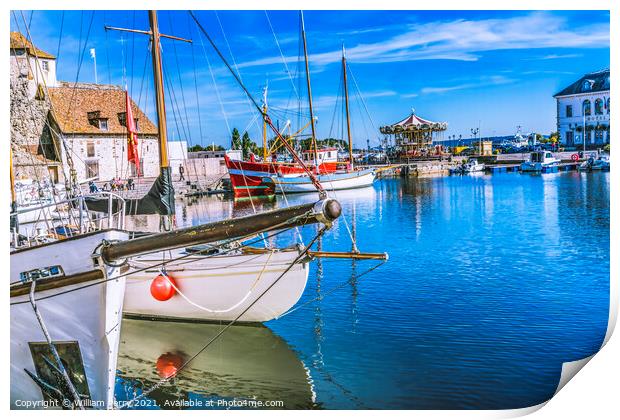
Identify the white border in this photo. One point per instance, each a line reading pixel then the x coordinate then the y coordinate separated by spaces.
pixel 594 394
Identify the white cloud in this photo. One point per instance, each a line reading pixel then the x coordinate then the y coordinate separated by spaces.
pixel 483 81
pixel 464 40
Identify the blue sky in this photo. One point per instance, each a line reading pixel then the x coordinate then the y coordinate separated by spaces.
pixel 496 68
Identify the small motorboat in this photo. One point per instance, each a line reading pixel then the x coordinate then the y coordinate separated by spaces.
pixel 472 165
pixel 540 161
pixel 600 163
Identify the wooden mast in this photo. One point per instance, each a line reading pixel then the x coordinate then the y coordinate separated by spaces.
pixel 303 36
pixel 346 101
pixel 265 124
pixel 159 91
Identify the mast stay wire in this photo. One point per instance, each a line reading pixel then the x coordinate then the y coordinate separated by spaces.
pixel 62 22
pixel 217 16
pixel 60 135
pixel 288 73
pixel 267 119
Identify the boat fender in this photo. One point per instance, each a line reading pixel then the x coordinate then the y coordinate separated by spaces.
pixel 163 287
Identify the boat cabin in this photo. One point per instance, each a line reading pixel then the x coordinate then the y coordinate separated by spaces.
pixel 541 157
pixel 327 155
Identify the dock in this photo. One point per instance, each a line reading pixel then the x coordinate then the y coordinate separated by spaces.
pixel 514 167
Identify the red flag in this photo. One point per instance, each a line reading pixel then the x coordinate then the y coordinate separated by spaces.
pixel 132 135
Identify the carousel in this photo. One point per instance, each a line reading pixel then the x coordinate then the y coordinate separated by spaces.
pixel 414 136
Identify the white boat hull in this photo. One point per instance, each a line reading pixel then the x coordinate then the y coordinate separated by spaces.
pixel 90 316
pixel 218 288
pixel 537 166
pixel 330 182
pixel 474 168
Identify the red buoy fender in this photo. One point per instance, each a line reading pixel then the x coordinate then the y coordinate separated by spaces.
pixel 574 157
pixel 163 287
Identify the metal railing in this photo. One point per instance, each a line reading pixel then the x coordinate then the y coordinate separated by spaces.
pixel 66 218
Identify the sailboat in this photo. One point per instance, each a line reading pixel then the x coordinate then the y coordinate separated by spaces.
pixel 216 283
pixel 68 293
pixel 65 301
pixel 253 178
pixel 344 180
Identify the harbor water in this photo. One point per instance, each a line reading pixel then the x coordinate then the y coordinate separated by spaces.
pixel 492 282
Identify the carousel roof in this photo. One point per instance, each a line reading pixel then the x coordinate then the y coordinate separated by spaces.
pixel 414 123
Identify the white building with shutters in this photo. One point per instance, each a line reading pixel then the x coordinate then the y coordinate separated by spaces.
pixel 583 111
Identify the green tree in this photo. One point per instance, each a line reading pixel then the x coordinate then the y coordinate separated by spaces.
pixel 195 148
pixel 236 139
pixel 246 144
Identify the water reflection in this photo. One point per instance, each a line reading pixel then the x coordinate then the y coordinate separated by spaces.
pixel 493 282
pixel 246 362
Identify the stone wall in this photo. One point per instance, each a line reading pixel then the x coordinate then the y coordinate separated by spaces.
pixel 34 149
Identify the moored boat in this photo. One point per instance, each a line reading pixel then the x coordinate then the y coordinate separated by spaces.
pixel 251 178
pixel 472 165
pixel 540 161
pixel 330 182
pixel 219 288
pixel 66 306
pixel 600 163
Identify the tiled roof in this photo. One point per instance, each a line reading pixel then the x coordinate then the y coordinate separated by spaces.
pixel 596 82
pixel 19 41
pixel 72 105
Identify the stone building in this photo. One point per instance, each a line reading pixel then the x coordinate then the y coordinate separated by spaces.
pixel 91 118
pixel 56 123
pixel 583 111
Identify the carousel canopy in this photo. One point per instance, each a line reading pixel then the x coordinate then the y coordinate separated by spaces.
pixel 413 123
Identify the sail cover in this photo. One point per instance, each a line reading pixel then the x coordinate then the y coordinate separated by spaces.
pixel 159 199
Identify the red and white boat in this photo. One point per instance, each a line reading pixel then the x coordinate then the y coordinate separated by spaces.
pixel 252 178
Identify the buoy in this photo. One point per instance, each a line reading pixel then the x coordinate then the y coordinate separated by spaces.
pixel 168 364
pixel 162 287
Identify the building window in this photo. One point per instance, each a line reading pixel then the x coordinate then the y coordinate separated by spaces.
pixel 45 65
pixel 598 137
pixel 587 85
pixel 90 149
pixel 122 118
pixel 608 105
pixel 132 169
pixel 587 107
pixel 569 110
pixel 598 106
pixel 92 169
pixel 103 125
pixel 569 138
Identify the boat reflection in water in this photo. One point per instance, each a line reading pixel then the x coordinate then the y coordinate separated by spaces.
pixel 248 362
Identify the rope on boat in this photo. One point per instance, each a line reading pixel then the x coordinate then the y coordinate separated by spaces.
pixel 302 254
pixel 332 290
pixel 220 311
pixel 48 338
